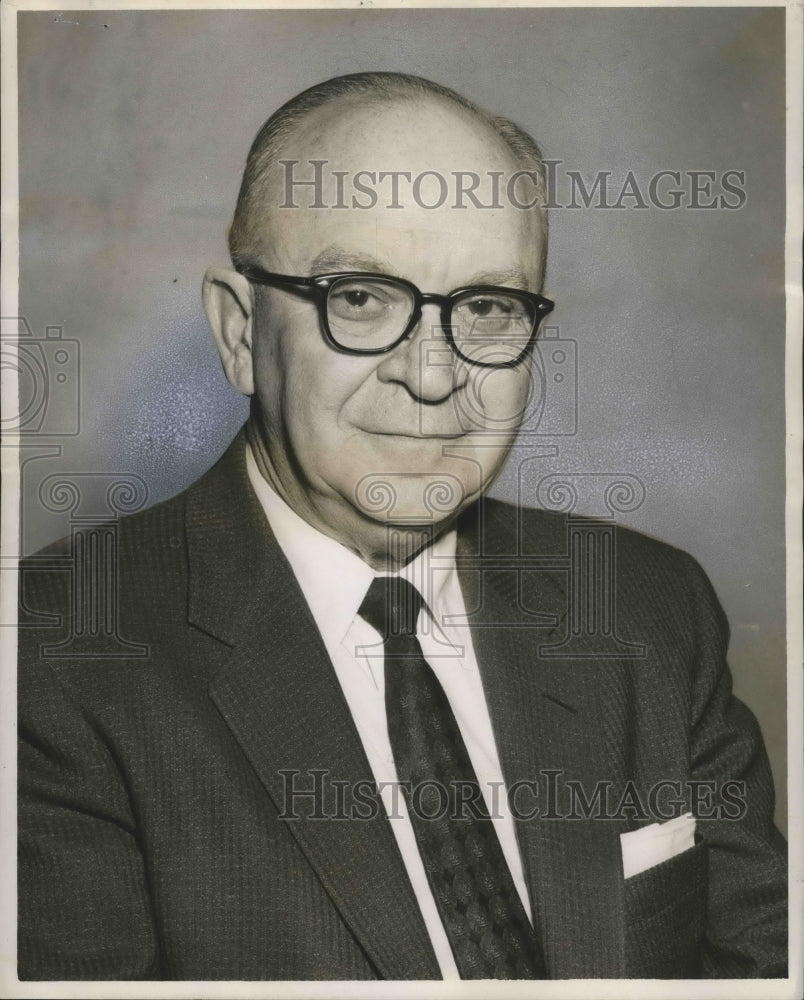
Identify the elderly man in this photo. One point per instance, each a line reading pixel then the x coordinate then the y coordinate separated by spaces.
pixel 362 745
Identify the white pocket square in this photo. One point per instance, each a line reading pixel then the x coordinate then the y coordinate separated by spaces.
pixel 650 845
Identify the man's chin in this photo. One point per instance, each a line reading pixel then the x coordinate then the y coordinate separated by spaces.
pixel 410 499
pixel 418 482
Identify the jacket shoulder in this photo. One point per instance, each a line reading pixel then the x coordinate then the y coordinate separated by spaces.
pixel 550 528
pixel 136 535
pixel 140 535
pixel 645 565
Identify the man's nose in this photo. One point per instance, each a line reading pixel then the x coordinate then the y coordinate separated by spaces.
pixel 424 362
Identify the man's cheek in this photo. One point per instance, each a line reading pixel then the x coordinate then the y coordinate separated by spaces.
pixel 495 400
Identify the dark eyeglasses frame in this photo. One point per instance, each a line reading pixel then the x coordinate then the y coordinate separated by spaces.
pixel 319 287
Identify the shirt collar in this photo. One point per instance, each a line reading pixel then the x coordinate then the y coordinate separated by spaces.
pixel 333 579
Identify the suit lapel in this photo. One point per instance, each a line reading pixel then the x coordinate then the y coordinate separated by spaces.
pixel 280 696
pixel 549 715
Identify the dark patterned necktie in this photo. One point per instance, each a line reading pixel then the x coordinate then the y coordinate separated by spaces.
pixel 486 924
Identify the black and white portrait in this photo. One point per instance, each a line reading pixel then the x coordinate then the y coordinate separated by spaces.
pixel 397 416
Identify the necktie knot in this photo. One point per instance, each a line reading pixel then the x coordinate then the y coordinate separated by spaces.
pixel 392 606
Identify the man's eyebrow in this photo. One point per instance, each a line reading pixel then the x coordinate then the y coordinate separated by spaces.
pixel 335 258
pixel 509 278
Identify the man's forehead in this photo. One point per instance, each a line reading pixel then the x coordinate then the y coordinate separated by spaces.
pixel 419 246
pixel 416 132
pixel 406 182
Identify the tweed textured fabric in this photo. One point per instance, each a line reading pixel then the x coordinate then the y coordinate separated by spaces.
pixel 485 921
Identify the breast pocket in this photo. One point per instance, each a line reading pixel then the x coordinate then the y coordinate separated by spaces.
pixel 665 917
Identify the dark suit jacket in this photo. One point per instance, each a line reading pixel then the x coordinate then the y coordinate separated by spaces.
pixel 151 841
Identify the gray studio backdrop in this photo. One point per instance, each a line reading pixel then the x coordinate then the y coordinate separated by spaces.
pixel 133 133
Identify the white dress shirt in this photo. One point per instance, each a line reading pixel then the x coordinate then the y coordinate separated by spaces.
pixel 334 582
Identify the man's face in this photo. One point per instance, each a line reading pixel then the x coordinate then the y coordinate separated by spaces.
pixel 414 435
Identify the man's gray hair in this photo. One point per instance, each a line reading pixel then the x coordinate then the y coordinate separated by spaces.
pixel 244 231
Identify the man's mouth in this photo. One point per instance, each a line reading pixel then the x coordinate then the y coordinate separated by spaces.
pixel 415 435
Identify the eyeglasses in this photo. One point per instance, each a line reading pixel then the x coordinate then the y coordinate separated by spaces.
pixel 365 313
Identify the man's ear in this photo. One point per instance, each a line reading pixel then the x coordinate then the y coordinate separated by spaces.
pixel 230 309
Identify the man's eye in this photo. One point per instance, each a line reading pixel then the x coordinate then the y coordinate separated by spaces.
pixel 357 302
pixel 354 298
pixel 490 307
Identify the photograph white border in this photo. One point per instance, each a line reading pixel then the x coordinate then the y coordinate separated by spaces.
pixel 9 529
